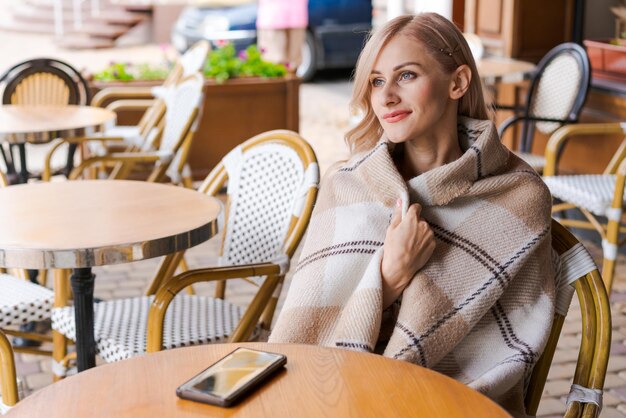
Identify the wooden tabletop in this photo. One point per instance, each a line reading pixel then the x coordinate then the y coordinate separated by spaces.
pixel 88 223
pixel 495 69
pixel 318 382
pixel 38 124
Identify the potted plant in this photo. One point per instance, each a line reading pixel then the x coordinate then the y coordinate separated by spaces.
pixel 243 95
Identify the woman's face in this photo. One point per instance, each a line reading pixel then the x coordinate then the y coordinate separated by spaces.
pixel 410 93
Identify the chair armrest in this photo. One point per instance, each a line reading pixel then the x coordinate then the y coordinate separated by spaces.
pixel 56 144
pixel 562 135
pixel 176 284
pixel 129 104
pixel 119 157
pixel 116 93
pixel 519 118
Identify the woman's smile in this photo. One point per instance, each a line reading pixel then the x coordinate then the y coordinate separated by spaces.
pixel 396 116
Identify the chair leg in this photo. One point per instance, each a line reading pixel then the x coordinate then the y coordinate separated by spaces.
pixel 59 341
pixel 268 312
pixel 8 377
pixel 182 268
pixel 609 250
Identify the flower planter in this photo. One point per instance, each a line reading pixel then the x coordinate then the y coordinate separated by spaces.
pixel 607 61
pixel 232 112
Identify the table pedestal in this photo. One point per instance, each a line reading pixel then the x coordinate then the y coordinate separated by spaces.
pixel 82 285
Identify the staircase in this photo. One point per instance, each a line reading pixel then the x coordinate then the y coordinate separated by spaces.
pixel 77 24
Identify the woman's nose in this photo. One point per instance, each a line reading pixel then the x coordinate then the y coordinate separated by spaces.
pixel 390 95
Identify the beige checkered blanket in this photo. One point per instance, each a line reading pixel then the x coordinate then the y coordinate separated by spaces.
pixel 480 310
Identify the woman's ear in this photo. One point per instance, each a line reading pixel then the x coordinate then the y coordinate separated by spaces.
pixel 460 82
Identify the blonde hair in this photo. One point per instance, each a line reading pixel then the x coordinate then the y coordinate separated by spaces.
pixel 444 42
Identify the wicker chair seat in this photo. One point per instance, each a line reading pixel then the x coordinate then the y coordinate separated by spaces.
pixel 22 301
pixel 593 192
pixel 537 162
pixel 120 326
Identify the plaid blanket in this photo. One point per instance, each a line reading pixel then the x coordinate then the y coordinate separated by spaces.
pixel 479 311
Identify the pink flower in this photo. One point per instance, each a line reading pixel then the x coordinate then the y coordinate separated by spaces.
pixel 221 42
pixel 242 55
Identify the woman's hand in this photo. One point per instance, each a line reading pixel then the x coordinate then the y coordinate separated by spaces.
pixel 409 243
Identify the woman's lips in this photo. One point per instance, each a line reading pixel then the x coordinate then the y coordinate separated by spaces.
pixel 396 116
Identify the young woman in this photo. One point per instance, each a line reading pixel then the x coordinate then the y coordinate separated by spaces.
pixel 432 243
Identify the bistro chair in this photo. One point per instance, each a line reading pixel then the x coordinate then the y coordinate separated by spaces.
pixel 151 100
pixel 555 97
pixel 579 274
pixel 596 196
pixel 272 184
pixel 41 82
pixel 175 133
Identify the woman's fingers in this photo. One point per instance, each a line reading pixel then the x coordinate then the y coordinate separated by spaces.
pixel 415 209
pixel 396 218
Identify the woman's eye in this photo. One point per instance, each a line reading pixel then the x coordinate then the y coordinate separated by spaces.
pixel 407 75
pixel 377 82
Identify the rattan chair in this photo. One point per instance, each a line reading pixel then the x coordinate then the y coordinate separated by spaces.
pixel 40 82
pixel 174 133
pixel 272 185
pixel 555 97
pixel 151 101
pixel 579 274
pixel 596 196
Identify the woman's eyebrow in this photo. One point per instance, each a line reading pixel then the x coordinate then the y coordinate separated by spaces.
pixel 397 67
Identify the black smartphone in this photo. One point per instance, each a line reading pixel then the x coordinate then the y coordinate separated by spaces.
pixel 229 379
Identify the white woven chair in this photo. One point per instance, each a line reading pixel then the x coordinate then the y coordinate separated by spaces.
pixel 555 97
pixel 174 133
pixel 597 196
pixel 140 137
pixel 272 184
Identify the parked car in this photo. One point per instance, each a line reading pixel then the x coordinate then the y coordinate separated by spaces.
pixel 334 39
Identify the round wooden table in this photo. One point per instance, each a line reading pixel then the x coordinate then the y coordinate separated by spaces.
pixel 40 124
pixel 82 224
pixel 20 124
pixel 317 382
pixel 497 70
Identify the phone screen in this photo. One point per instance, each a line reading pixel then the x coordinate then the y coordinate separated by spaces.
pixel 233 372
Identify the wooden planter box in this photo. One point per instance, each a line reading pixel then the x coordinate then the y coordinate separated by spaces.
pixel 607 61
pixel 232 112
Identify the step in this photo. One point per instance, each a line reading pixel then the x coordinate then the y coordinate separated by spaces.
pixel 84 42
pixel 116 16
pixel 98 30
pixel 12 26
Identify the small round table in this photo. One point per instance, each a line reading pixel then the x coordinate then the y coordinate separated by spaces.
pixel 82 224
pixel 317 382
pixel 20 124
pixel 495 70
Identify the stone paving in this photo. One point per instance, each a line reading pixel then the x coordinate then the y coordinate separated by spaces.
pixel 324 119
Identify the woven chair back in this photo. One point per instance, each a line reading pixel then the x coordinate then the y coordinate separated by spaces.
pixel 182 103
pixel 44 81
pixel 557 91
pixel 270 182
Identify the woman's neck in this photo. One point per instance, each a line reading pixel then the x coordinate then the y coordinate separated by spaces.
pixel 424 154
